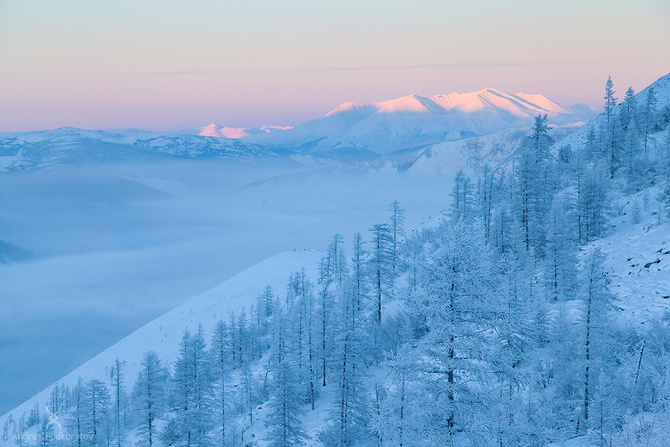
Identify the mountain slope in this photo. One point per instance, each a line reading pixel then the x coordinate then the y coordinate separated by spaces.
pixel 164 334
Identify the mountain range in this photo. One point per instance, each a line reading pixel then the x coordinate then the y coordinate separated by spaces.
pixel 350 132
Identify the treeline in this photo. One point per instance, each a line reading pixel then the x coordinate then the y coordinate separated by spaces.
pixel 492 326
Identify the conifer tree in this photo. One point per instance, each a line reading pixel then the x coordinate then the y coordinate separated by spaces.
pixel 116 376
pixel 462 198
pixel 396 223
pixel 221 367
pixel 382 276
pixel 283 420
pixel 192 400
pixel 95 413
pixel 598 302
pixel 150 396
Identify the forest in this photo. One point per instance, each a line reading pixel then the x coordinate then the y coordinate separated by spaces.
pixel 494 324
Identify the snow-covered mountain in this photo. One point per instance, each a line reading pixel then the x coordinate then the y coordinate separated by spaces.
pixel 72 146
pixel 218 131
pixel 352 132
pixel 414 121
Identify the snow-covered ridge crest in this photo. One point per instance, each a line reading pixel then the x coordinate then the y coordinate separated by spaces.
pixel 520 105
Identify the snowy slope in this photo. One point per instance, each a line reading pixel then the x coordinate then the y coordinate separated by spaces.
pixel 164 334
pixel 638 254
pixel 662 91
pixel 414 121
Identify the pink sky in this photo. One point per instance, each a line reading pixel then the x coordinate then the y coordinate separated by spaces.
pixel 169 65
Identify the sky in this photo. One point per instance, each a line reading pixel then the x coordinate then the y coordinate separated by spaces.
pixel 174 65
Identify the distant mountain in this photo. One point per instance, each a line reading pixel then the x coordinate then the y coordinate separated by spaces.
pixel 415 121
pixel 216 130
pixel 352 132
pixel 71 146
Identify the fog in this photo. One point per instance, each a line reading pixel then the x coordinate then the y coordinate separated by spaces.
pixel 111 247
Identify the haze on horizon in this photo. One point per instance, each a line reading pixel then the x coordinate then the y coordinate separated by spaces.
pixel 170 65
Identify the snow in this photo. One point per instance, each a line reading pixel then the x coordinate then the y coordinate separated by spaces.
pixel 637 249
pixel 414 121
pixel 214 130
pixel 638 255
pixel 164 334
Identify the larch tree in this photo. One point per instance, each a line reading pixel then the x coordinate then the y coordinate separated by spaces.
pixel 379 262
pixel 396 222
pixel 221 367
pixel 598 303
pixel 95 414
pixel 116 376
pixel 150 397
pixel 284 407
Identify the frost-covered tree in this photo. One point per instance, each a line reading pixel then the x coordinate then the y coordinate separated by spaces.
pixel 75 421
pixel 462 196
pixel 610 99
pixel 380 266
pixel 396 222
pixel 592 202
pixel 648 117
pixel 349 415
pixel 485 187
pixel 535 185
pixel 221 368
pixel 119 397
pixel 609 138
pixel 457 309
pixel 95 413
pixel 284 407
pixel 598 301
pixel 150 398
pixel 561 254
pixel 46 435
pixel 192 392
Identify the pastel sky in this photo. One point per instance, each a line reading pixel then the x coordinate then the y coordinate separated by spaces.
pixel 182 64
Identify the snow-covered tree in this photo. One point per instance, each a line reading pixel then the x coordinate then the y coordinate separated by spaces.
pixel 462 194
pixel 457 309
pixel 561 254
pixel 221 367
pixel 95 413
pixel 192 404
pixel 284 407
pixel 119 398
pixel 396 222
pixel 380 266
pixel 150 398
pixel 598 301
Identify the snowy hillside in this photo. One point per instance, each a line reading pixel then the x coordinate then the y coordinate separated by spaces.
pixel 164 334
pixel 661 90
